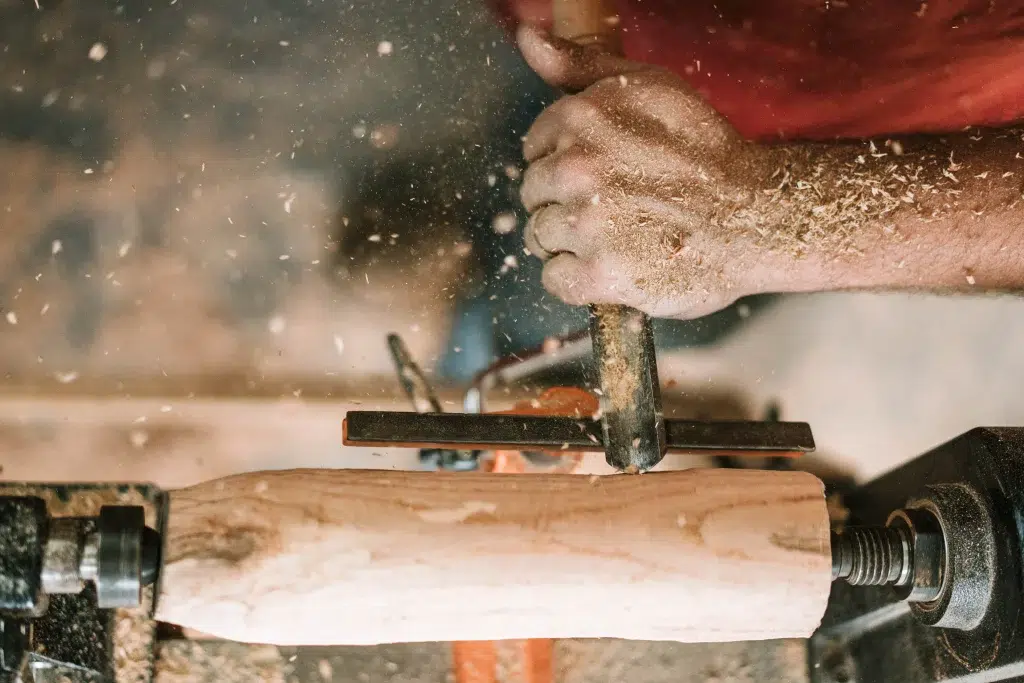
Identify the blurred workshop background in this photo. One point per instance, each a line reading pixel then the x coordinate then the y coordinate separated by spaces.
pixel 212 214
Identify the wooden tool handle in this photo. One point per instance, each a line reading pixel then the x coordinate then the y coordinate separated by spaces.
pixel 588 22
pixel 634 430
pixel 352 557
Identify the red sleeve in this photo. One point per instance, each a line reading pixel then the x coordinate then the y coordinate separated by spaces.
pixel 801 69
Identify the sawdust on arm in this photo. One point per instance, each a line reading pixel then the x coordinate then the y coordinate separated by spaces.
pixel 937 213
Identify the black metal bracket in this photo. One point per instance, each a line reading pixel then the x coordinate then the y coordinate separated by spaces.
pixel 530 432
pixel 869 635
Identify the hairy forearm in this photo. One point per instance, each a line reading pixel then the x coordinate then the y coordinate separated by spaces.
pixel 640 193
pixel 929 212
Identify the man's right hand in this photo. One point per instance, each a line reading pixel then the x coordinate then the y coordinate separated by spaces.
pixel 639 192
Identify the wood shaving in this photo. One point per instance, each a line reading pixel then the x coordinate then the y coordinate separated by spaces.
pixel 834 199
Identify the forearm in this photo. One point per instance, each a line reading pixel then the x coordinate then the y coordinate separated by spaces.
pixel 932 213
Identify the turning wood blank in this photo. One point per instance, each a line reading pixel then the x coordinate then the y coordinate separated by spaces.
pixel 333 557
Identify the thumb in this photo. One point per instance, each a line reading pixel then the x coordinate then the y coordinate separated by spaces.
pixel 568 66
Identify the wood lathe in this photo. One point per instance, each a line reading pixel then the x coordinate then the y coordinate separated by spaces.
pixel 355 557
pixel 928 563
pixel 929 554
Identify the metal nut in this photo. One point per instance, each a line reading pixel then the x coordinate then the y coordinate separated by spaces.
pixel 927 555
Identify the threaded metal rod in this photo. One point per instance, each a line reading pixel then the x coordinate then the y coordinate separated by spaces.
pixel 871 556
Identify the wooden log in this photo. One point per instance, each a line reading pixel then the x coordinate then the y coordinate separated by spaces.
pixel 332 557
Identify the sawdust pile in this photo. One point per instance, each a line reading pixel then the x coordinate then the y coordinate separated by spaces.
pixel 590 661
pixel 186 661
pixel 133 641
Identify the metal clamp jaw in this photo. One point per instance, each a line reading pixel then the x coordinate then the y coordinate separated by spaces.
pixel 115 552
pixel 77 564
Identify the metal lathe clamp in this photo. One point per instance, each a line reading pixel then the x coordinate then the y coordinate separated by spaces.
pixel 79 566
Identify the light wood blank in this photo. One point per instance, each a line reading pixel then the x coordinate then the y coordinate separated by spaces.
pixel 332 557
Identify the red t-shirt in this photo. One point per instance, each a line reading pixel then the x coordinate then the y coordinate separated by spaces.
pixel 832 68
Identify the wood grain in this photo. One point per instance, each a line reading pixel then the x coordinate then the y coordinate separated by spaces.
pixel 331 557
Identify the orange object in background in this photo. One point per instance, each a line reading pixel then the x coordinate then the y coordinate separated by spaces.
pixel 558 401
pixel 475 661
pixel 519 661
pixel 532 660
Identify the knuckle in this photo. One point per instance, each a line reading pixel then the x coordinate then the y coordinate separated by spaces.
pixel 580 108
pixel 631 79
pixel 663 90
pixel 609 85
pixel 564 278
pixel 603 269
pixel 529 179
pixel 557 114
pixel 664 78
pixel 533 186
pixel 576 172
pixel 589 219
pixel 526 191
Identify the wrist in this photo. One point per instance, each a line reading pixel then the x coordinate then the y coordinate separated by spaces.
pixel 831 217
pixel 775 228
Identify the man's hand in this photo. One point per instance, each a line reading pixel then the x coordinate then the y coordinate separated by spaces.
pixel 633 186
